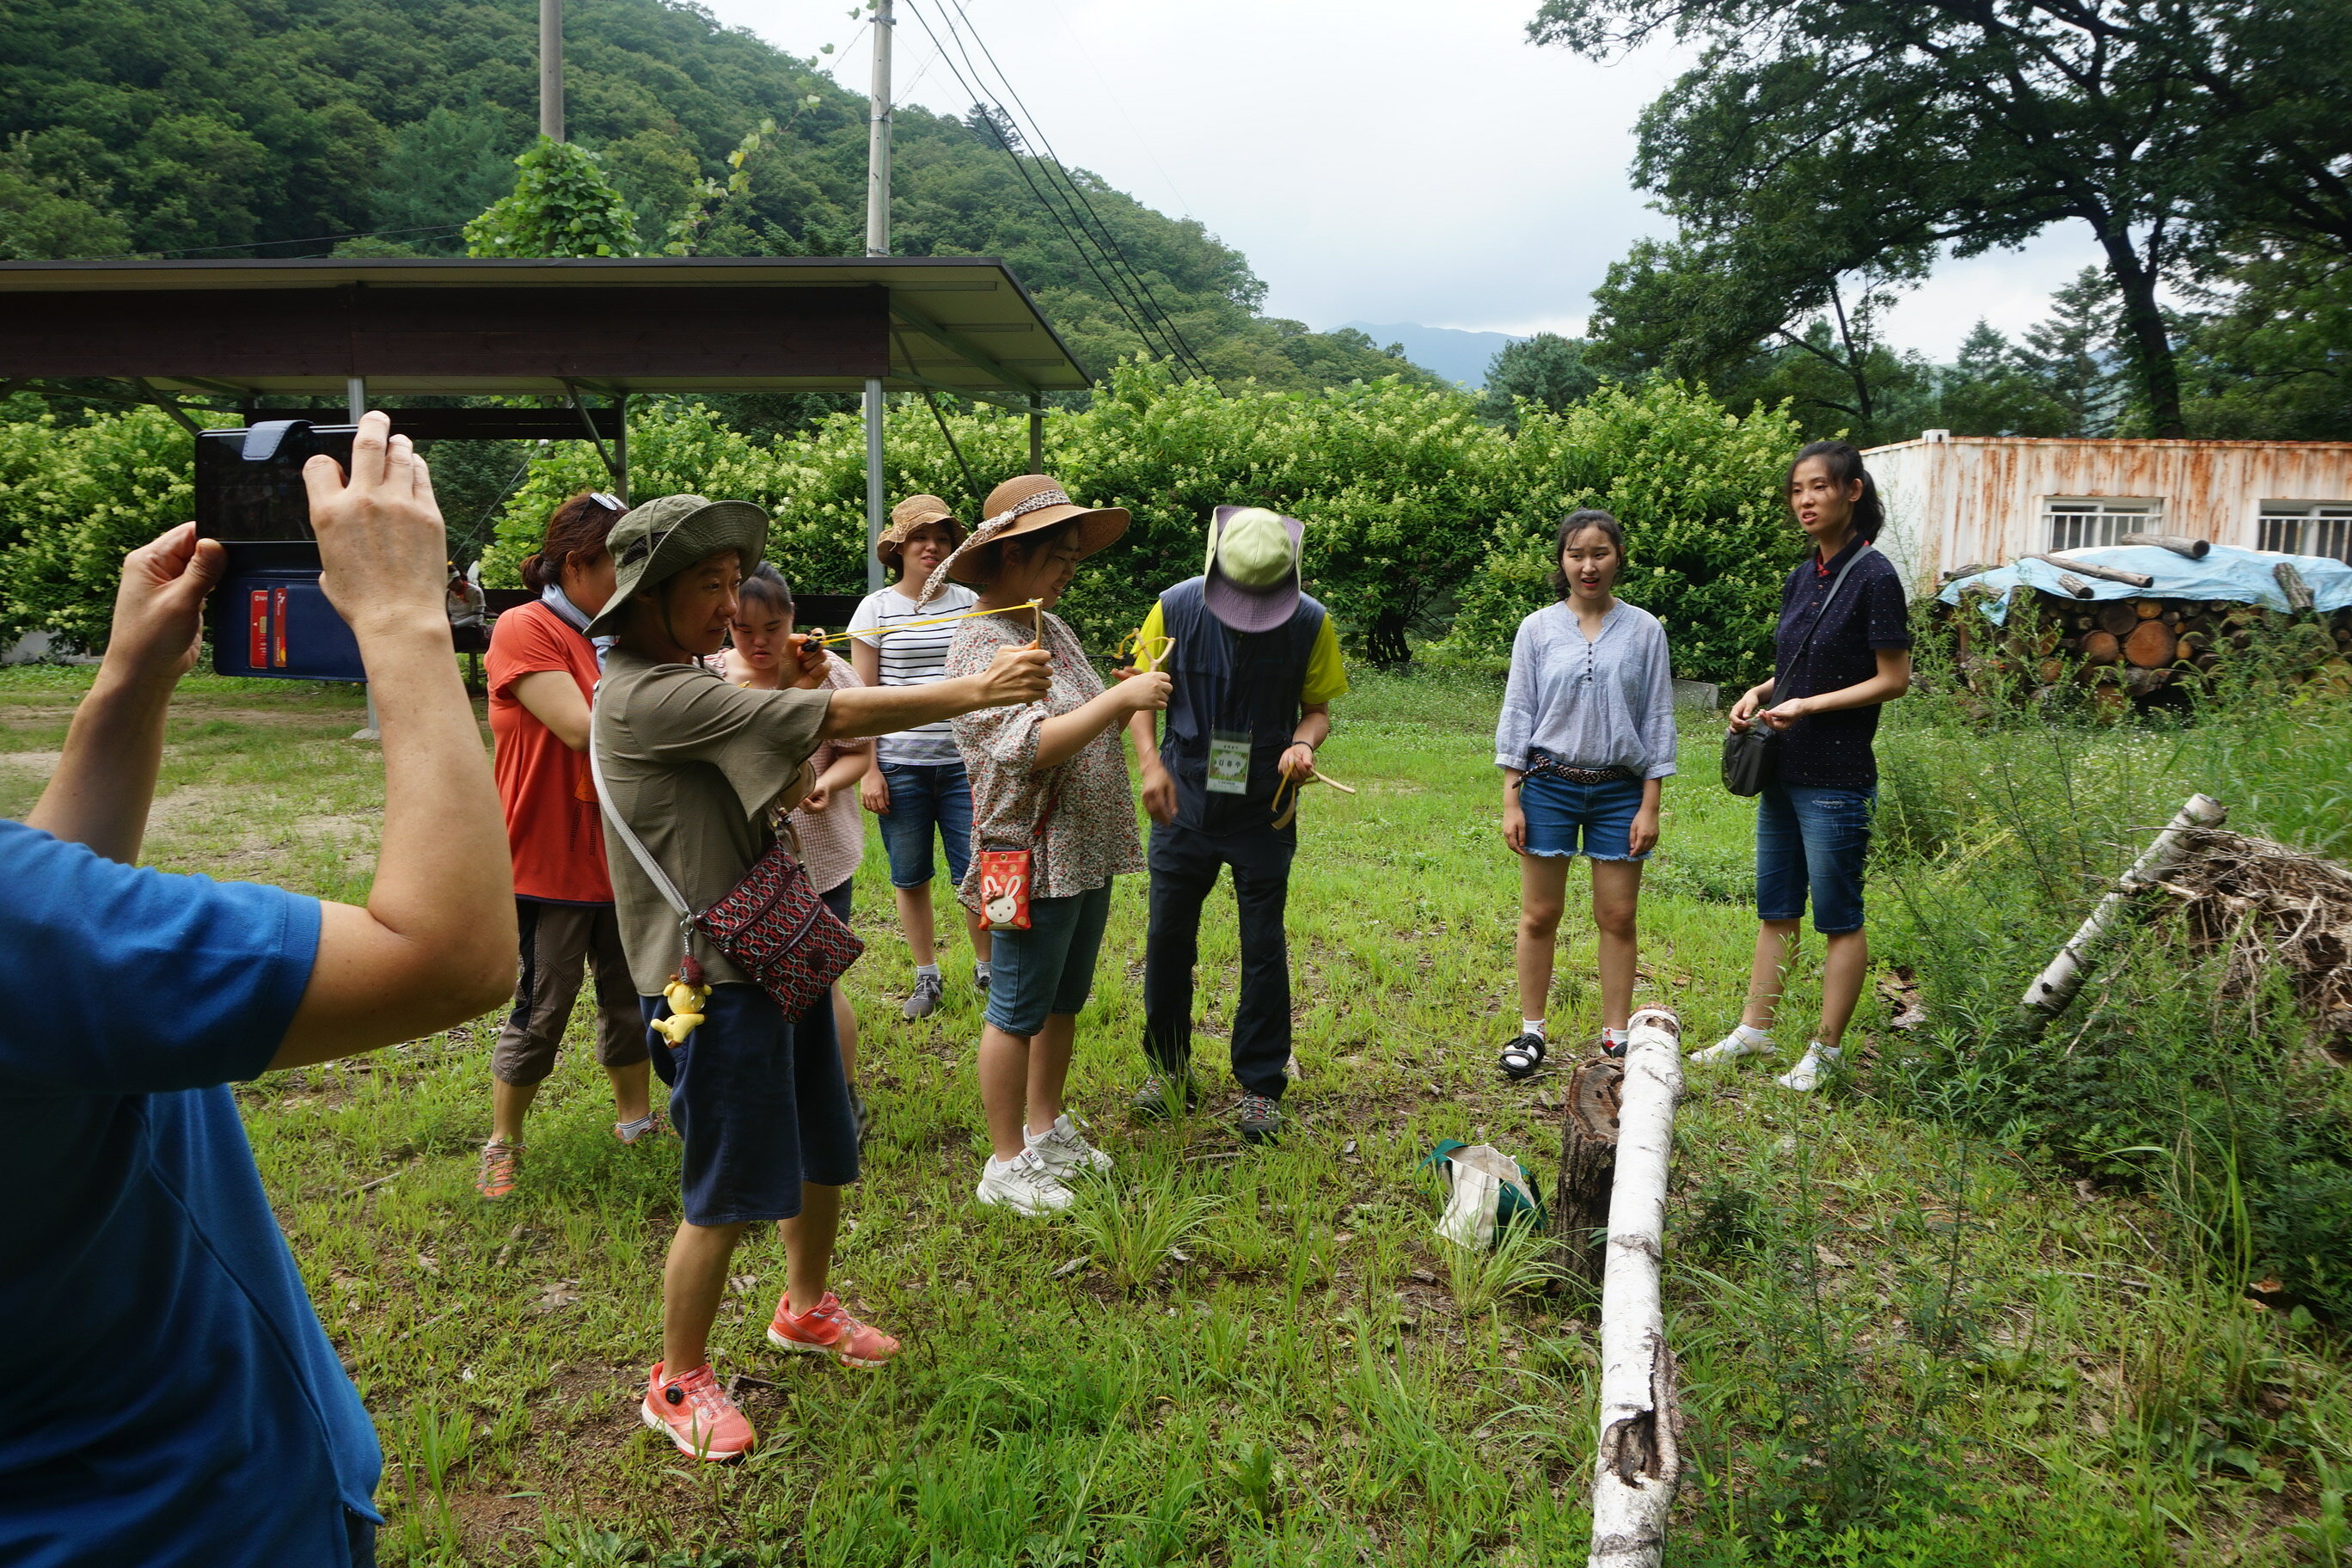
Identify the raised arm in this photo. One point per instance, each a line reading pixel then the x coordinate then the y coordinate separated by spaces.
pixel 106 776
pixel 435 943
pixel 1017 675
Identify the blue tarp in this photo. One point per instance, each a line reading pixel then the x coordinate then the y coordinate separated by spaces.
pixel 2240 576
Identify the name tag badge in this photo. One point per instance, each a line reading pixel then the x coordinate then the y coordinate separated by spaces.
pixel 1229 759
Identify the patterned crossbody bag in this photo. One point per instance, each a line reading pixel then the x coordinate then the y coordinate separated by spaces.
pixel 772 925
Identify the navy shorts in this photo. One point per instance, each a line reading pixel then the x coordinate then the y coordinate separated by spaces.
pixel 1050 967
pixel 761 1103
pixel 837 899
pixel 1558 812
pixel 924 799
pixel 1811 841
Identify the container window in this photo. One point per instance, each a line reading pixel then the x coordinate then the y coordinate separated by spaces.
pixel 2079 522
pixel 2306 528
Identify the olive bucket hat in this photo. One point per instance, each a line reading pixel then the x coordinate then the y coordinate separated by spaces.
pixel 1252 573
pixel 664 537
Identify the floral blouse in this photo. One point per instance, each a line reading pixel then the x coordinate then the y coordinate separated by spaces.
pixel 1090 837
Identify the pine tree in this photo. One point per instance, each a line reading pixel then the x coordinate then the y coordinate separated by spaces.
pixel 2073 356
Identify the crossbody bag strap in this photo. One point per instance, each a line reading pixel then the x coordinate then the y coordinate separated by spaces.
pixel 644 859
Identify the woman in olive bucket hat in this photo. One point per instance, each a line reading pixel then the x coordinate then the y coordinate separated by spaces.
pixel 694 767
pixel 917 790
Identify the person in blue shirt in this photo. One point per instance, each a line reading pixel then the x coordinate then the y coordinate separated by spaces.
pixel 175 1400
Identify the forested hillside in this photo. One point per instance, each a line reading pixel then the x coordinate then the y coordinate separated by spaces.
pixel 276 127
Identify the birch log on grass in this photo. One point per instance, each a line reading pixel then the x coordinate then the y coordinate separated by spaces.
pixel 2056 984
pixel 1640 1461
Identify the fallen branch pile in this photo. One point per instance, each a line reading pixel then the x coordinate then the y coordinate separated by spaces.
pixel 2263 906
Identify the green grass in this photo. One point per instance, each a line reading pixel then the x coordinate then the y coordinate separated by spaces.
pixel 1906 1336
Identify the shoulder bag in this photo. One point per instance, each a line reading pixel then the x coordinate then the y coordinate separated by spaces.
pixel 1007 876
pixel 772 925
pixel 1748 754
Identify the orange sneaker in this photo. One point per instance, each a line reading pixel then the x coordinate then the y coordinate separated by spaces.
pixel 501 1164
pixel 697 1415
pixel 828 1329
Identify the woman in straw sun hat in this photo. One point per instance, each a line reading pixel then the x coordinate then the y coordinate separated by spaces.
pixel 1048 777
pixel 692 769
pixel 917 787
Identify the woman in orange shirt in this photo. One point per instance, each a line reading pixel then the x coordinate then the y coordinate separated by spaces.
pixel 542 670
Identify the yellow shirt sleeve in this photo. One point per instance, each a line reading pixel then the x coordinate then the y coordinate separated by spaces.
pixel 1154 624
pixel 1327 678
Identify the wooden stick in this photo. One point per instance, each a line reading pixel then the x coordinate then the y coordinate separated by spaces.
pixel 1639 1462
pixel 2291 583
pixel 2056 984
pixel 2194 549
pixel 2105 573
pixel 916 626
pixel 2074 586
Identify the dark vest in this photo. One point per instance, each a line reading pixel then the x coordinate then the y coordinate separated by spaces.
pixel 1225 680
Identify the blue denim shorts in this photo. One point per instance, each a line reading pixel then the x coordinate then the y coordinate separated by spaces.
pixel 761 1103
pixel 1050 967
pixel 1558 811
pixel 922 798
pixel 1810 838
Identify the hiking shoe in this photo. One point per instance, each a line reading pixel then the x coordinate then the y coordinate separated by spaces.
pixel 1261 1119
pixel 828 1329
pixel 1066 1151
pixel 630 1131
pixel 1522 1056
pixel 981 976
pixel 1152 1100
pixel 1815 1065
pixel 1741 1042
pixel 501 1165
pixel 1026 1184
pixel 925 998
pixel 697 1415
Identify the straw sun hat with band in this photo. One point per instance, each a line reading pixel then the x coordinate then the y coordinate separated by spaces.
pixel 913 512
pixel 1030 504
pixel 663 538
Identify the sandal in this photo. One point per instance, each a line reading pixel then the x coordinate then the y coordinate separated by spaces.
pixel 1523 1055
pixel 630 1131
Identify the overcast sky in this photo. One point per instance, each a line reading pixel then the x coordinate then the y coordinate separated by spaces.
pixel 1376 160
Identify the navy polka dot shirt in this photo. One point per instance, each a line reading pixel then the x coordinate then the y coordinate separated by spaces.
pixel 1832 751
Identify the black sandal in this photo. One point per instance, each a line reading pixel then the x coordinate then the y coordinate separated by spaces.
pixel 1523 1055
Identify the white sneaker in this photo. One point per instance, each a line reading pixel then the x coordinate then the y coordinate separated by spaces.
pixel 1026 1184
pixel 1740 1043
pixel 1066 1149
pixel 1811 1068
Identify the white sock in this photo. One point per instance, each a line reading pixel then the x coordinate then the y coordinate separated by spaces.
pixel 1532 1026
pixel 1616 1037
pixel 931 970
pixel 1748 1035
pixel 1827 1053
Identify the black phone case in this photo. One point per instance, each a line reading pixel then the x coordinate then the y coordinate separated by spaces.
pixel 269 617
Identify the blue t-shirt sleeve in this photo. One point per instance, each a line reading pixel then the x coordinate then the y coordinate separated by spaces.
pixel 125 980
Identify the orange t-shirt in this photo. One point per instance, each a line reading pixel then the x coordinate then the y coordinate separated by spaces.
pixel 551 804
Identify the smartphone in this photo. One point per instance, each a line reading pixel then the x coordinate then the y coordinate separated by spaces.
pixel 268 617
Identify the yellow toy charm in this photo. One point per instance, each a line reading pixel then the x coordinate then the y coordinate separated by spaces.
pixel 685 1010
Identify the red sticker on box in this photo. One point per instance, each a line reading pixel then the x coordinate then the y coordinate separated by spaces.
pixel 257 629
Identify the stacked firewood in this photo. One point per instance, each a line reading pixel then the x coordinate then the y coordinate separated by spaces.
pixel 2125 650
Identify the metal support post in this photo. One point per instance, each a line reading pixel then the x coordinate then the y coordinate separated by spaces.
pixel 878 243
pixel 1036 434
pixel 873 483
pixel 550 69
pixel 621 446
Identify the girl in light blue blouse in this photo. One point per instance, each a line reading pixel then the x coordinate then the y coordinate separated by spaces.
pixel 1586 740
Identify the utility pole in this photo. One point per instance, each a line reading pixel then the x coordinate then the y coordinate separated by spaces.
pixel 878 243
pixel 550 69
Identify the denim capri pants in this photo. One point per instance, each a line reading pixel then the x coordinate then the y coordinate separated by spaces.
pixel 1050 967
pixel 1810 838
pixel 925 797
pixel 1559 811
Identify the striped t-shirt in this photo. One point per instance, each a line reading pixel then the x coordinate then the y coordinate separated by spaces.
pixel 914 658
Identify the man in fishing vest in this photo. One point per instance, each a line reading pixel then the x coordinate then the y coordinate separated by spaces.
pixel 1255 664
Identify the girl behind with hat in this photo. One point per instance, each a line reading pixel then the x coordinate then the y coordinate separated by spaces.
pixel 1048 777
pixel 918 783
pixel 826 825
pixel 542 671
pixel 692 769
pixel 1585 743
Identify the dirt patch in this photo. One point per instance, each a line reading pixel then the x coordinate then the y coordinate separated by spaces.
pixel 41 765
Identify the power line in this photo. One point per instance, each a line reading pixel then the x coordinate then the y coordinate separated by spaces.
pixel 1054 159
pixel 1133 301
pixel 983 99
pixel 307 239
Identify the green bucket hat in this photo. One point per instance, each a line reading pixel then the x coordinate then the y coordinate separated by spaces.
pixel 664 537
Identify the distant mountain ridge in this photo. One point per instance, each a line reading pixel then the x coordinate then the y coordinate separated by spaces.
pixel 1448 352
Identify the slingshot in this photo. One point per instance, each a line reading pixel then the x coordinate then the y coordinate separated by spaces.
pixel 1145 653
pixel 1036 619
pixel 1283 815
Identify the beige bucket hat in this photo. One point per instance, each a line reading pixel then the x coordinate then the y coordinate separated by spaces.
pixel 913 512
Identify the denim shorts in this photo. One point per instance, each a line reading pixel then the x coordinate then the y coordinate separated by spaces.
pixel 761 1103
pixel 1557 809
pixel 1811 839
pixel 1050 967
pixel 924 797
